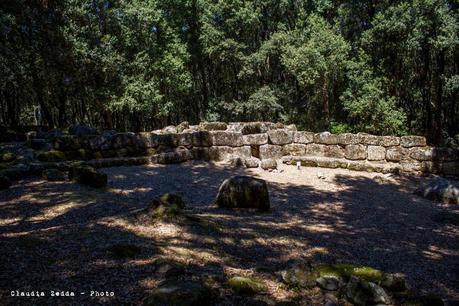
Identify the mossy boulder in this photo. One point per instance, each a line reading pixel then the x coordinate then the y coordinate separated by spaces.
pixel 179 293
pixel 53 175
pixel 51 156
pixel 361 292
pixel 5 182
pixel 168 206
pixel 243 192
pixel 245 285
pixel 9 157
pixel 347 270
pixel 87 175
pixel 300 275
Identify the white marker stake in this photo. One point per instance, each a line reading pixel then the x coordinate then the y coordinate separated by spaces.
pixel 298 165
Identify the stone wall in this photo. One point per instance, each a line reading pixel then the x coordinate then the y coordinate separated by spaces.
pixel 252 143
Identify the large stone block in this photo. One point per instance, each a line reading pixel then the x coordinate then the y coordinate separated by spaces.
pixel 243 192
pixel 334 151
pixel 168 140
pixel 201 139
pixel 185 139
pixel 388 141
pixel 200 153
pixel 213 126
pixel 413 141
pixel 221 153
pixel 178 155
pixel 253 128
pixel 326 138
pixel 376 153
pixel 270 151
pixel 348 138
pixel 303 137
pixel 355 152
pixel 421 153
pixel 255 139
pixel 294 149
pixel 280 136
pixel 369 139
pixel 147 140
pixel 222 138
pixel 396 154
pixel 315 149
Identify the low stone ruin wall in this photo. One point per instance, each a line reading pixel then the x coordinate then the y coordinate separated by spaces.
pixel 259 144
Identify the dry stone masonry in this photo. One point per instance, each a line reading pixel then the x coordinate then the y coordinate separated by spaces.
pixel 254 144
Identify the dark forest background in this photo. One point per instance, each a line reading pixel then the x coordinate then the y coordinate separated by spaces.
pixel 383 67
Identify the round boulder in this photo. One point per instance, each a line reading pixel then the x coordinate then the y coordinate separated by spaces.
pixel 243 192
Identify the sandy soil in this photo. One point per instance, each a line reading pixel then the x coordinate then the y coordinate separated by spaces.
pixel 57 235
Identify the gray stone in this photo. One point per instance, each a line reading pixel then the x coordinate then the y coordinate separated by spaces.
pixel 251 162
pixel 169 130
pixel 182 126
pixel 388 141
pixel 213 126
pixel 348 138
pixel 223 138
pixel 315 149
pixel 376 153
pixel 329 282
pixel 361 292
pixel 440 190
pixel 294 149
pixel 369 139
pixel 355 152
pixel 200 153
pixel 395 282
pixel 334 151
pixel 221 153
pixel 299 275
pixel 421 154
pixel 243 192
pixel 177 155
pixel 185 139
pixel 201 139
pixel 255 139
pixel 413 141
pixel 291 127
pixel 82 130
pixel 269 163
pixel 253 128
pixel 396 154
pixel 303 137
pixel 280 136
pixel 326 138
pixel 270 151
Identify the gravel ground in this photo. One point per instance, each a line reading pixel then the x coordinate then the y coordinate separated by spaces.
pixel 57 235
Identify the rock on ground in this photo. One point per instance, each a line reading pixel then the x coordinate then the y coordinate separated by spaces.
pixel 243 192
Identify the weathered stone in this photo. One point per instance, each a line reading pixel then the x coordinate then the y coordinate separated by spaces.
pixel 348 138
pixel 303 137
pixel 396 154
pixel 395 282
pixel 270 151
pixel 179 293
pixel 440 190
pixel 410 166
pixel 280 136
pixel 369 139
pixel 421 154
pixel 185 139
pixel 413 141
pixel 53 175
pixel 147 139
pixel 213 126
pixel 245 285
pixel 299 275
pixel 221 153
pixel 267 164
pixel 5 182
pixel 168 140
pixel 355 152
pixel 294 149
pixel 236 162
pixel 329 282
pixel 376 153
pixel 167 206
pixel 255 139
pixel 201 139
pixel 252 128
pixel 291 127
pixel 223 138
pixel 182 126
pixel 200 153
pixel 315 149
pixel 361 292
pixel 388 141
pixel 243 192
pixel 87 175
pixel 177 155
pixel 334 151
pixel 326 138
pixel 169 130
pixel 82 130
pixel 251 162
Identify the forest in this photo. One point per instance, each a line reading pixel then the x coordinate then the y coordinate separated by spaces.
pixel 382 67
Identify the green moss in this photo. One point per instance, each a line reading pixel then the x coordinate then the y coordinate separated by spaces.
pixel 245 285
pixel 9 157
pixel 51 156
pixel 345 271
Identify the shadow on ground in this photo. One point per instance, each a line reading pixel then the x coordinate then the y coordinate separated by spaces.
pixel 58 236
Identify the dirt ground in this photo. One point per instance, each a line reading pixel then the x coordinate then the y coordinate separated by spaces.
pixel 58 235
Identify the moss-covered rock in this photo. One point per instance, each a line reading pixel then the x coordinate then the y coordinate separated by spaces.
pixel 9 157
pixel 179 293
pixel 51 156
pixel 300 275
pixel 243 192
pixel 168 206
pixel 361 292
pixel 87 175
pixel 245 285
pixel 346 270
pixel 5 182
pixel 53 175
